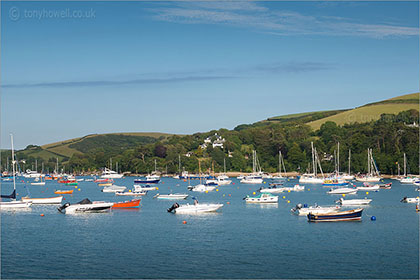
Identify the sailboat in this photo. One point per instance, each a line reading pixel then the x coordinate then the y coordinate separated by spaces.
pixel 281 164
pixel 222 179
pixel 13 203
pixel 179 168
pixel 373 173
pixel 255 177
pixel 150 179
pixel 207 187
pixel 336 179
pixel 312 177
pixel 348 176
pixel 407 179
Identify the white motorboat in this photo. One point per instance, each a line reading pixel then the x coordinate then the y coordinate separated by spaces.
pixel 262 198
pixel 85 206
pixel 38 182
pixel 140 188
pixel 44 200
pixel 310 179
pixel 196 208
pixel 13 204
pixel 31 174
pixel 252 179
pixel 342 191
pixel 110 174
pixel 203 188
pixel 219 181
pixel 273 189
pixel 367 187
pixel 134 193
pixel 240 177
pixel 368 179
pixel 171 196
pixel 347 177
pixel 114 189
pixel 410 199
pixel 354 201
pixel 408 180
pixel 305 210
pixel 223 177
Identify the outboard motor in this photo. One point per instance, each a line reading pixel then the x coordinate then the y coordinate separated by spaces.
pixel 62 207
pixel 173 207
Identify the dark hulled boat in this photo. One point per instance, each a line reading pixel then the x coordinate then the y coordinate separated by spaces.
pixel 337 216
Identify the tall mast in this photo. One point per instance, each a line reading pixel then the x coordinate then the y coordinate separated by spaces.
pixel 224 165
pixel 338 158
pixel 110 163
pixel 349 160
pixel 36 165
pixel 13 163
pixel 279 163
pixel 405 165
pixel 313 159
pixel 179 166
pixel 116 167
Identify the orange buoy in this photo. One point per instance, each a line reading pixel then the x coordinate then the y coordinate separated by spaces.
pixel 184 222
pixel 228 202
pixel 42 215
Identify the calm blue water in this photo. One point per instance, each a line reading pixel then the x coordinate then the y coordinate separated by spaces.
pixel 242 241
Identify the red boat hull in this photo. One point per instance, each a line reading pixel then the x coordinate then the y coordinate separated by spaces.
pixel 135 203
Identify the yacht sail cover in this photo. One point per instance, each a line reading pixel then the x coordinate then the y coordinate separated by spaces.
pixel 85 201
pixel 13 195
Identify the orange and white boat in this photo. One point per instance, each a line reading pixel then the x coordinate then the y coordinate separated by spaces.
pixel 105 185
pixel 135 203
pixel 63 192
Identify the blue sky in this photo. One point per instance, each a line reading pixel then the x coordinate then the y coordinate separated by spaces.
pixel 76 68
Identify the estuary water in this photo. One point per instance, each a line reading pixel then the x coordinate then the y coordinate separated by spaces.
pixel 241 241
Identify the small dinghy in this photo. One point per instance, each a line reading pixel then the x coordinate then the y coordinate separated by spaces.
pixel 305 210
pixel 272 189
pixel 63 192
pixel 385 186
pixel 46 200
pixel 135 203
pixel 262 198
pixel 114 189
pixel 337 216
pixel 104 184
pixel 140 188
pixel 131 193
pixel 195 208
pixel 202 188
pixel 85 206
pixel 410 199
pixel 368 187
pixel 342 191
pixel 171 196
pixel 354 201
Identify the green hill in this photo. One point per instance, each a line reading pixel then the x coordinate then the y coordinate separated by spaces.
pixel 372 111
pixel 110 142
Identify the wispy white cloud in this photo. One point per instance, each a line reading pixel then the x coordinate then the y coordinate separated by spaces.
pixel 285 23
pixel 197 75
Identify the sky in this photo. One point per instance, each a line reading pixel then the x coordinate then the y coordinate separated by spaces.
pixel 69 69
